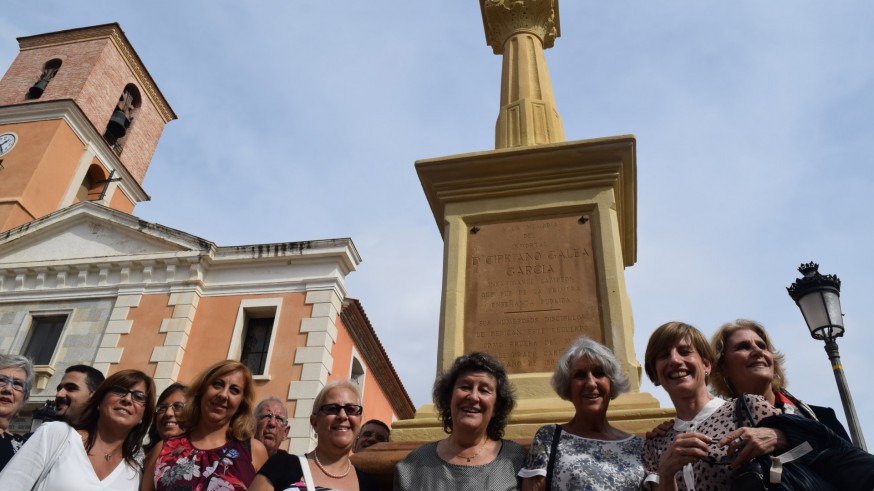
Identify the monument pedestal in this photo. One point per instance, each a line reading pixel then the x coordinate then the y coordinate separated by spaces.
pixel 536 240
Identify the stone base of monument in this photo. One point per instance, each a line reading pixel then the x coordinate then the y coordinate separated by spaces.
pixel 634 413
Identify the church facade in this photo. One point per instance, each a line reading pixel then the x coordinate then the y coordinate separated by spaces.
pixel 83 280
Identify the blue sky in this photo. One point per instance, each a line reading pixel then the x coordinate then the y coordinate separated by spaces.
pixel 301 120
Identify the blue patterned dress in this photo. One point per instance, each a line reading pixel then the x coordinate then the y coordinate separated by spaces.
pixel 586 464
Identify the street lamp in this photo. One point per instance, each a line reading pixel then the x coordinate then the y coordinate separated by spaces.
pixel 819 298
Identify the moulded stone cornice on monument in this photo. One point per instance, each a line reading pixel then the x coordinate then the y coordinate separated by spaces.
pixel 539 169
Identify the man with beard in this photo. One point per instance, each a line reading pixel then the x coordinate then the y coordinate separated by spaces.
pixel 74 391
pixel 271 427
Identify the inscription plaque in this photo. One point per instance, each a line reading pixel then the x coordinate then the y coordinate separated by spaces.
pixel 530 290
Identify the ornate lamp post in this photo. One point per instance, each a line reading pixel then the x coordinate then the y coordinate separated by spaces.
pixel 818 297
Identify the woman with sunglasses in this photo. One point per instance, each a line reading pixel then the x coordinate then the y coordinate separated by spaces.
pixel 16 377
pixel 217 451
pixel 102 449
pixel 336 420
pixel 167 414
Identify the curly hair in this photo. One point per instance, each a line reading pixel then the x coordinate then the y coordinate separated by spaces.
pixel 668 335
pixel 242 424
pixel 601 355
pixel 154 437
pixel 90 416
pixel 505 399
pixel 720 384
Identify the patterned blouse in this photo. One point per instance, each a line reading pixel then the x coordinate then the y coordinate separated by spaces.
pixel 716 420
pixel 181 466
pixel 585 463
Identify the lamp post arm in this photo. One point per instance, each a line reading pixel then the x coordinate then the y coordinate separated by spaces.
pixel 831 348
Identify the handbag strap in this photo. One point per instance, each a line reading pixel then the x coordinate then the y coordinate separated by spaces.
pixel 307 475
pixel 553 456
pixel 743 415
pixel 51 462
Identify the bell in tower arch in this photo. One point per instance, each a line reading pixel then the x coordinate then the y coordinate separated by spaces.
pixel 118 123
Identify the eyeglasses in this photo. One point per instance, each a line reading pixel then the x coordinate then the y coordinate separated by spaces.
pixel 268 416
pixel 334 409
pixel 17 384
pixel 137 396
pixel 177 407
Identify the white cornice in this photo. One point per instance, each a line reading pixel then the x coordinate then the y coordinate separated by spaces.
pixel 183 261
pixel 70 112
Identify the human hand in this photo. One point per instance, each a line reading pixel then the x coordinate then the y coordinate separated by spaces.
pixel 660 430
pixel 685 449
pixel 745 444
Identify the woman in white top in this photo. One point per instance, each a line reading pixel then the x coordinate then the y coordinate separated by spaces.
pixel 586 452
pixel 101 451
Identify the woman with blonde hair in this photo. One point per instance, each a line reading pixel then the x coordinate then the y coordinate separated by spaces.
pixel 217 451
pixel 748 363
pixel 336 420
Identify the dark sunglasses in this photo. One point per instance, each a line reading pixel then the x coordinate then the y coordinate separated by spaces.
pixel 137 396
pixel 334 409
pixel 177 407
pixel 17 384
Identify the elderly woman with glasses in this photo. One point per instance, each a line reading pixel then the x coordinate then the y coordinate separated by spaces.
pixel 16 377
pixel 587 452
pixel 167 414
pixel 102 449
pixel 336 420
pixel 474 400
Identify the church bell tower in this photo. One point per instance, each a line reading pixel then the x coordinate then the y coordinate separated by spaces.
pixel 80 118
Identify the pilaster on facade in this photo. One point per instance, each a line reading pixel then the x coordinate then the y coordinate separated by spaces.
pixel 177 328
pixel 316 364
pixel 109 352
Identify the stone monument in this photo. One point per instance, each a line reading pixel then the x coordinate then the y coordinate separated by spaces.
pixel 537 234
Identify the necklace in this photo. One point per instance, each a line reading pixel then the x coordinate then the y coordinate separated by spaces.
pixel 475 454
pixel 325 471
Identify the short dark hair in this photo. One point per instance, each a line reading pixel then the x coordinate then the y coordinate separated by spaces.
pixel 377 423
pixel 669 334
pixel 476 362
pixel 91 414
pixel 93 376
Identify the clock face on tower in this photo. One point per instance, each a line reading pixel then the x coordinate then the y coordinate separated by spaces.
pixel 7 141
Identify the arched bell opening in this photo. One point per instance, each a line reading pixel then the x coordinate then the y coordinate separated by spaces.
pixel 92 184
pixel 50 69
pixel 118 127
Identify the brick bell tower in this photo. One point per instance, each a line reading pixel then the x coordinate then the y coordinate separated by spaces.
pixel 80 118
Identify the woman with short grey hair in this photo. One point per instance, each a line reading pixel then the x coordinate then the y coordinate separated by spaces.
pixel 586 452
pixel 16 379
